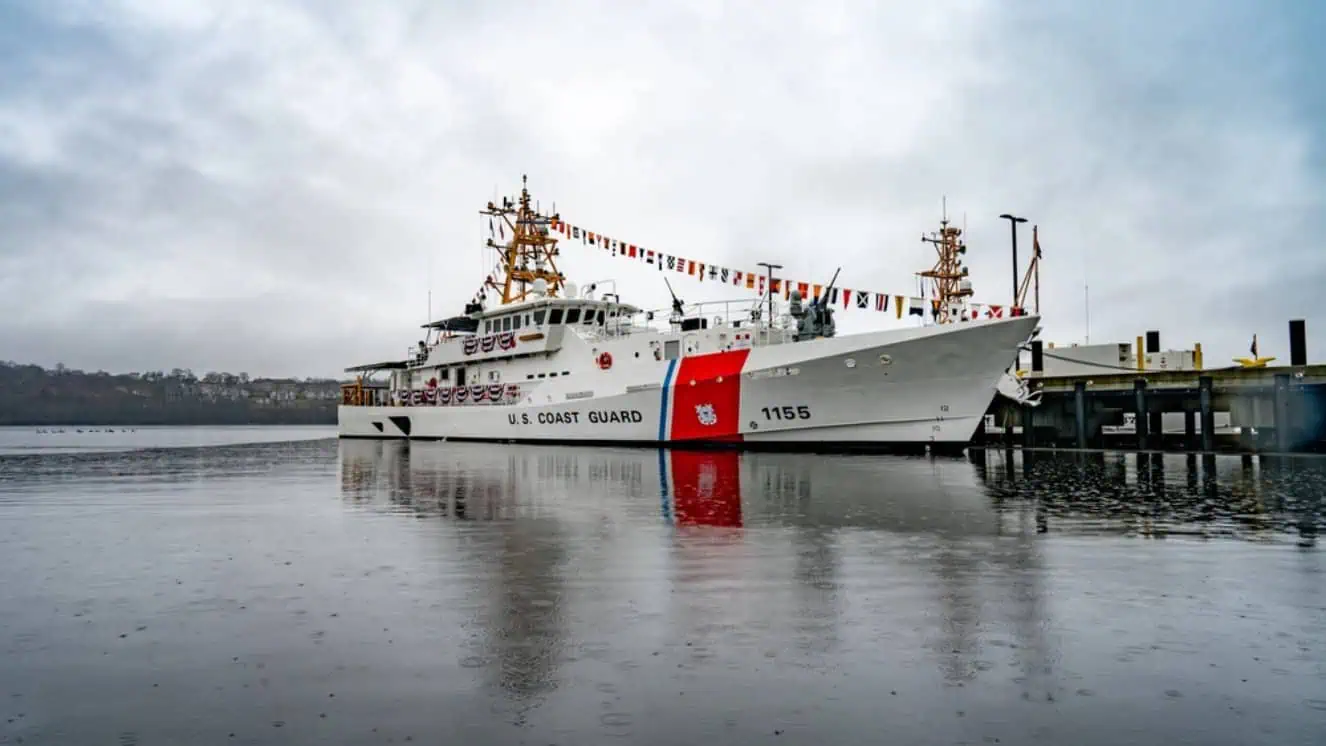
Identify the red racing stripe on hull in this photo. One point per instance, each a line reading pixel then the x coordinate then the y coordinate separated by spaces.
pixel 706 402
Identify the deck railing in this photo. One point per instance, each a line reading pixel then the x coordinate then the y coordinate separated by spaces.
pixel 745 314
pixel 358 395
pixel 442 396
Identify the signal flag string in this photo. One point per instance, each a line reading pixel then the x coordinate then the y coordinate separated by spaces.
pixel 847 298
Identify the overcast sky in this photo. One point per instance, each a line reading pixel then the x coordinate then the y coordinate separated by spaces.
pixel 265 186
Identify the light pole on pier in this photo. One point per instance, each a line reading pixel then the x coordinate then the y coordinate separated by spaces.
pixel 1013 224
pixel 769 284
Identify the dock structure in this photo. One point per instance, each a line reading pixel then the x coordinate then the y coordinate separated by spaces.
pixel 1250 408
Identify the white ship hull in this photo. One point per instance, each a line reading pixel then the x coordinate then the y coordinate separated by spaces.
pixel 906 387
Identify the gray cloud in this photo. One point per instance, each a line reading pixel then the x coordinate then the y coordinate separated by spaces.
pixel 275 186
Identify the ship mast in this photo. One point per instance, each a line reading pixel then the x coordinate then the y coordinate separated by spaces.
pixel 528 255
pixel 948 273
pixel 1033 273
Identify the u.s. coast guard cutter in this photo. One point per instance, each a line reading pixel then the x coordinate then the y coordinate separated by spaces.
pixel 549 364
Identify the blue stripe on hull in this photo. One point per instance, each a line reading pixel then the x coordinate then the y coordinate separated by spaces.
pixel 663 407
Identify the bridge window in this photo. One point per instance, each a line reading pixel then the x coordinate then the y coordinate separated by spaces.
pixel 487 326
pixel 538 318
pixel 516 324
pixel 555 317
pixel 572 315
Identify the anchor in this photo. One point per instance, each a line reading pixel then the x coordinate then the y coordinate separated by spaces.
pixel 1016 388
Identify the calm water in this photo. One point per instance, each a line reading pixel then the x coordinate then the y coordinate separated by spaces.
pixel 19 441
pixel 302 590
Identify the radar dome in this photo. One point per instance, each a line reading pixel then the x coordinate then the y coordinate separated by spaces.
pixel 540 286
pixel 569 289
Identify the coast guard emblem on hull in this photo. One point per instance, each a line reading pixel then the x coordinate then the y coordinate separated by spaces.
pixel 706 415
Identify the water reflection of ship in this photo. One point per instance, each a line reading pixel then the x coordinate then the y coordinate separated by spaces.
pixel 723 489
pixel 523 622
pixel 519 614
pixel 701 488
pixel 711 498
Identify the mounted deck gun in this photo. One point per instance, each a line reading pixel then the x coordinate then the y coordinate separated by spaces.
pixel 678 316
pixel 815 320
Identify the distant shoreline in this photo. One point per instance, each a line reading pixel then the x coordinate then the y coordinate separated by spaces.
pixel 32 396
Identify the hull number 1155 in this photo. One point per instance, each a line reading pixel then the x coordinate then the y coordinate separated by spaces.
pixel 801 412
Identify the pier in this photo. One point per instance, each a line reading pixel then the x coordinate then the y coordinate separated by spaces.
pixel 1251 408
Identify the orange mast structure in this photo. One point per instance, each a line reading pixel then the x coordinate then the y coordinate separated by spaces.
pixel 529 255
pixel 948 273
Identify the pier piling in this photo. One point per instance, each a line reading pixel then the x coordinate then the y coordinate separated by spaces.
pixel 1204 385
pixel 1283 427
pixel 1141 420
pixel 1028 427
pixel 1080 412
